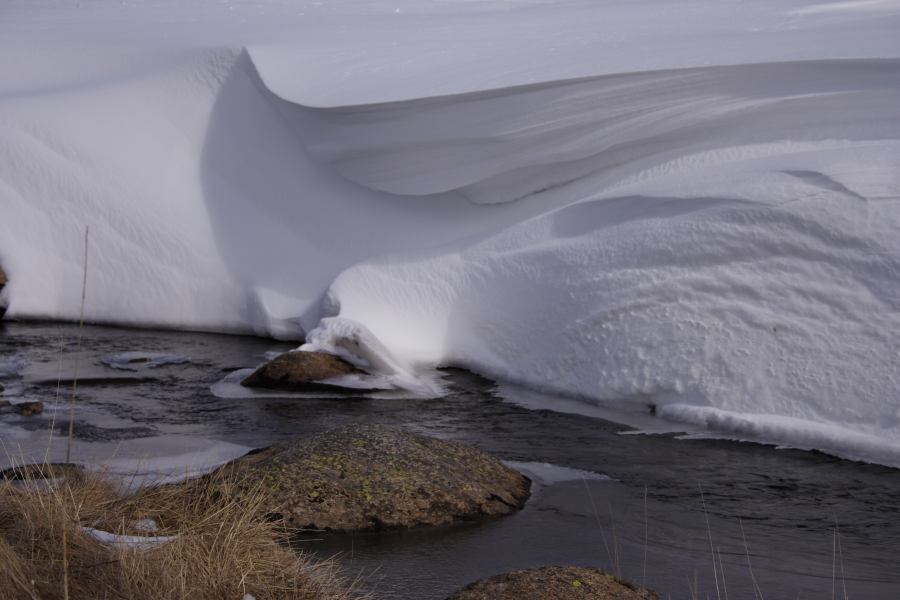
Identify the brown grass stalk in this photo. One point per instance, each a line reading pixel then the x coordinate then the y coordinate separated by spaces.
pixel 222 546
pixel 78 350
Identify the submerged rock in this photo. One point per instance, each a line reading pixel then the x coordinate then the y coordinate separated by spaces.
pixel 554 583
pixel 28 409
pixel 363 477
pixel 300 371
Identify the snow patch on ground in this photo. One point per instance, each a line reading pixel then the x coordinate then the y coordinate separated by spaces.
pixel 127 542
pixel 549 474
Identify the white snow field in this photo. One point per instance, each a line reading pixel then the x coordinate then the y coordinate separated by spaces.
pixel 689 205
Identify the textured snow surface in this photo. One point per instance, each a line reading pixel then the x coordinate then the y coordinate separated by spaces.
pixel 691 206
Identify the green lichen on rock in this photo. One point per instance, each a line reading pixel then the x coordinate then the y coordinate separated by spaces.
pixel 363 477
pixel 554 583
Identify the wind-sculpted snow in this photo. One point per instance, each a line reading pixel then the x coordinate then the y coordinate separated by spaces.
pixel 714 237
pixel 507 144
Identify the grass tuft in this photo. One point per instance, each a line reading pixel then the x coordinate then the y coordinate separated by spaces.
pixel 220 548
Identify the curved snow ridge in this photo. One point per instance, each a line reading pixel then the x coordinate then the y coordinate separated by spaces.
pixel 721 238
pixel 504 144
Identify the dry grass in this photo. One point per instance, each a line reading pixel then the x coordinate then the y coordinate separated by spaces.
pixel 222 550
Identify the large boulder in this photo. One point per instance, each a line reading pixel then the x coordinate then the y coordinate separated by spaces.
pixel 554 583
pixel 300 371
pixel 366 477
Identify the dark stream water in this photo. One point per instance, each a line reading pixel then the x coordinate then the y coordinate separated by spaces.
pixel 647 520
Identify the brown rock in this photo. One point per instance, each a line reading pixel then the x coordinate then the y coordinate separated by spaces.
pixel 363 477
pixel 554 583
pixel 28 409
pixel 299 371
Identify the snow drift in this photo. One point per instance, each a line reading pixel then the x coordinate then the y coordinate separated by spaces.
pixel 709 229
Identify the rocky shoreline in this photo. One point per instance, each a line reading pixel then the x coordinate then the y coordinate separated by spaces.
pixel 356 478
pixel 359 477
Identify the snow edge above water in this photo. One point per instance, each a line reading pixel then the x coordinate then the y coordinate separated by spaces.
pixel 722 238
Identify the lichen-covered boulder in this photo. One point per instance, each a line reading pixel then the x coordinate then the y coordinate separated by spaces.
pixel 364 477
pixel 299 371
pixel 554 583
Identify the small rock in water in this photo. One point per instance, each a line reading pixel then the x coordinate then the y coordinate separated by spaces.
pixel 554 583
pixel 365 477
pixel 28 409
pixel 299 371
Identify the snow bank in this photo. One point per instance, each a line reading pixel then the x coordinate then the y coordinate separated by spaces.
pixel 691 206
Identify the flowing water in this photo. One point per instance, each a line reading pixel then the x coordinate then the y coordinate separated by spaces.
pixel 655 507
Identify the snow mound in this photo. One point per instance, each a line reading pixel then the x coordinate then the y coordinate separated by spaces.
pixel 353 342
pixel 597 211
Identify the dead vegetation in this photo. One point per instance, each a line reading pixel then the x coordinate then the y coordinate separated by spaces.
pixel 220 548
